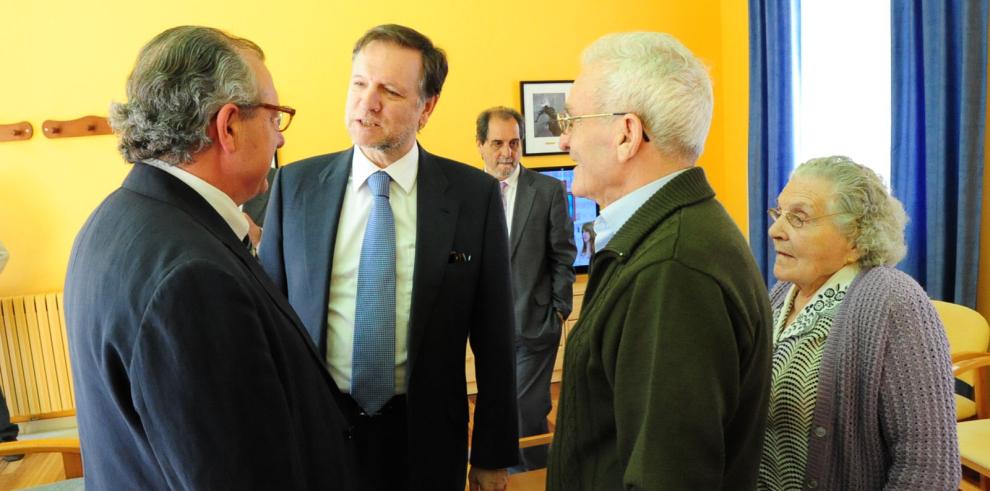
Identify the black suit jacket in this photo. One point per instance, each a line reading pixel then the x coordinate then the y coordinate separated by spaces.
pixel 454 299
pixel 191 370
pixel 542 254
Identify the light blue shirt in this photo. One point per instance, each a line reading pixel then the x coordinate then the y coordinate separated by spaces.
pixel 615 215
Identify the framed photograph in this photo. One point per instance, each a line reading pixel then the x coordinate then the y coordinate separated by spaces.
pixel 541 102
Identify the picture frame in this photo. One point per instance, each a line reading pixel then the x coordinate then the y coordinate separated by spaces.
pixel 541 101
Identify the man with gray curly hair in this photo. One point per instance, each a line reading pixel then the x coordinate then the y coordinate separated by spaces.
pixel 191 369
pixel 666 373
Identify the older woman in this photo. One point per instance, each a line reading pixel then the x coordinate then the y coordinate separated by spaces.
pixel 862 390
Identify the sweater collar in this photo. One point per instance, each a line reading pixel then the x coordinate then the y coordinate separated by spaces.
pixel 687 188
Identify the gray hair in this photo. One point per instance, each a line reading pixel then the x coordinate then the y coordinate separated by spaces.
pixel 180 81
pixel 866 213
pixel 656 77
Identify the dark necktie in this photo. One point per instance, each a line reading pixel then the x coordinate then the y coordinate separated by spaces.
pixel 373 370
pixel 250 246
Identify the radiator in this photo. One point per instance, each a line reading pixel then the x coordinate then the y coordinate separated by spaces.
pixel 34 357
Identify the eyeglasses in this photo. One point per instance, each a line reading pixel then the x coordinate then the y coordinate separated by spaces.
pixel 566 121
pixel 796 221
pixel 281 122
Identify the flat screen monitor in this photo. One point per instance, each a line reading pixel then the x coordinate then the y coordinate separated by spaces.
pixel 582 211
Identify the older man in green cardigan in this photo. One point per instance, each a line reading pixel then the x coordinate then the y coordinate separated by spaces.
pixel 666 375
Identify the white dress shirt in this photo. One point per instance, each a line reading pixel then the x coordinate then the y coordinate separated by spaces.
pixel 510 197
pixel 347 255
pixel 218 199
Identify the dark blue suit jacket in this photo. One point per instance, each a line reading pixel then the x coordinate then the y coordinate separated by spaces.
pixel 455 298
pixel 191 370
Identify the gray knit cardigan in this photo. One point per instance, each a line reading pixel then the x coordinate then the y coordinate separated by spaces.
pixel 884 412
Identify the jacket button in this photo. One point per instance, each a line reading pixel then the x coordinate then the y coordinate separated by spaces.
pixel 820 432
pixel 812 484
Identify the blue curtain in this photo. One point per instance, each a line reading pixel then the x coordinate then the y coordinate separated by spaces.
pixel 939 83
pixel 772 44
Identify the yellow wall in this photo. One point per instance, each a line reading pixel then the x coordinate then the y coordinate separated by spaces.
pixel 732 112
pixel 64 59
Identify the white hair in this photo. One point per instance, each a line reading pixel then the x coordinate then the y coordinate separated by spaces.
pixel 656 77
pixel 866 213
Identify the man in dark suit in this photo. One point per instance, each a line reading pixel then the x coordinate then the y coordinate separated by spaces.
pixel 191 369
pixel 541 250
pixel 394 259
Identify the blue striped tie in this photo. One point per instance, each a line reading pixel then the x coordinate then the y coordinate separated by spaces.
pixel 372 375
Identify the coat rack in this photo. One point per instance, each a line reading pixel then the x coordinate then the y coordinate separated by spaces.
pixel 16 131
pixel 84 126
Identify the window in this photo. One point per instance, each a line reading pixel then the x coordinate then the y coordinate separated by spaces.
pixel 843 85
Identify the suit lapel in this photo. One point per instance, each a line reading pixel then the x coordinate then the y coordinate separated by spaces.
pixel 321 208
pixel 436 222
pixel 525 193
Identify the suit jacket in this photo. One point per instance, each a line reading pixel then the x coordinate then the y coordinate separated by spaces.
pixel 542 254
pixel 191 370
pixel 454 300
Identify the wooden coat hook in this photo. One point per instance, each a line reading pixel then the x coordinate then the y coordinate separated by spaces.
pixel 84 126
pixel 16 131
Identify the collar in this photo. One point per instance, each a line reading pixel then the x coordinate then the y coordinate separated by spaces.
pixel 513 178
pixel 402 171
pixel 823 301
pixel 844 276
pixel 218 200
pixel 615 215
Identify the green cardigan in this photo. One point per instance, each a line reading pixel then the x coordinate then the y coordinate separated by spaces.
pixel 667 373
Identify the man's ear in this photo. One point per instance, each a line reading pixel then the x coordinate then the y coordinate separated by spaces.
pixel 630 139
pixel 428 108
pixel 227 124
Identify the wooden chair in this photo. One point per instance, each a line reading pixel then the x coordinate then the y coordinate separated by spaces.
pixel 535 480
pixel 974 435
pixel 68 447
pixel 968 332
pixel 524 481
pixel 35 372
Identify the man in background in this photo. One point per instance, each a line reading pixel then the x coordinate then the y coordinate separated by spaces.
pixel 667 373
pixel 541 252
pixel 191 370
pixel 394 259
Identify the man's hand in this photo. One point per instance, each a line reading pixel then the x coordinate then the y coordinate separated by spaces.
pixel 488 479
pixel 560 316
